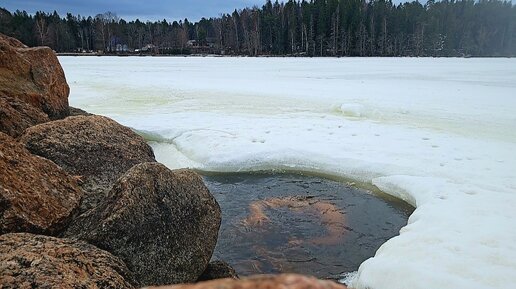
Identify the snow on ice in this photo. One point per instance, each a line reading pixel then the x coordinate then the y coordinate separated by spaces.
pixel 437 133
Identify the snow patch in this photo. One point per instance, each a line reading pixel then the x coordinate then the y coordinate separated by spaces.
pixel 352 109
pixel 443 139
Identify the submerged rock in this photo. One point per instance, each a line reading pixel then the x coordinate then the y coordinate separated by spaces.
pixel 162 223
pixel 96 149
pixel 330 215
pixel 35 194
pixel 285 281
pixel 218 270
pixel 32 261
pixel 33 86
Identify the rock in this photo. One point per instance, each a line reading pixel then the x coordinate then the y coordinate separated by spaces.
pixel 96 149
pixel 73 111
pixel 12 41
pixel 218 270
pixel 35 194
pixel 32 261
pixel 16 115
pixel 32 77
pixel 162 223
pixel 285 281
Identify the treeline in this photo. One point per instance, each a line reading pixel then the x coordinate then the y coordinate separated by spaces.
pixel 309 28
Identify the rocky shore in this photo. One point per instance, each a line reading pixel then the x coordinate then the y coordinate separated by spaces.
pixel 83 202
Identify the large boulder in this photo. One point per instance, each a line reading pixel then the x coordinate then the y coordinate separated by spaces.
pixel 285 281
pixel 95 148
pixel 30 77
pixel 162 223
pixel 17 115
pixel 32 261
pixel 35 194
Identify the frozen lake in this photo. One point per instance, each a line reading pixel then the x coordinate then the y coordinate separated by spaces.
pixel 437 133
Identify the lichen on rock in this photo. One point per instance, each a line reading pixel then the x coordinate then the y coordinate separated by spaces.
pixel 164 224
pixel 94 148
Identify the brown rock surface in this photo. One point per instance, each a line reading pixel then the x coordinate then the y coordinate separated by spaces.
pixel 285 281
pixel 16 115
pixel 95 148
pixel 12 41
pixel 73 111
pixel 34 77
pixel 32 261
pixel 162 223
pixel 35 194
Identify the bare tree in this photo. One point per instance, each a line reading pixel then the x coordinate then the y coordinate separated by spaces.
pixel 104 26
pixel 100 27
pixel 41 28
pixel 183 36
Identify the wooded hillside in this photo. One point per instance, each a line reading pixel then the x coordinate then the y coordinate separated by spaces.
pixel 309 28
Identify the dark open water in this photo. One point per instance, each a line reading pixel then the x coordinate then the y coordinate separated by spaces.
pixel 277 223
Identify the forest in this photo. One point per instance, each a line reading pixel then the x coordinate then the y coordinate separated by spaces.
pixel 292 28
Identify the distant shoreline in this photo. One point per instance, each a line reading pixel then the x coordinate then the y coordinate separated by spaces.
pixel 262 56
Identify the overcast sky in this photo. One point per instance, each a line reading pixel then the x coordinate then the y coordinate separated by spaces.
pixel 132 9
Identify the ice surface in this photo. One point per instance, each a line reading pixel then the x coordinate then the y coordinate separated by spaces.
pixel 438 133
